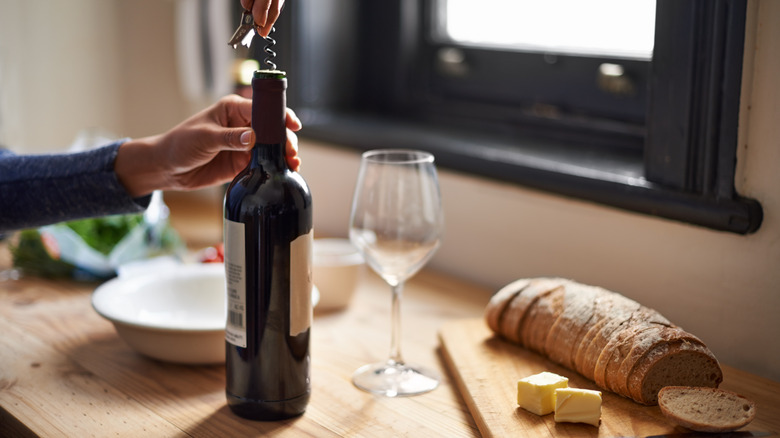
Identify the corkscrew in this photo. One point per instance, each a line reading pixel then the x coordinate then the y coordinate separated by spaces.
pixel 268 49
pixel 246 30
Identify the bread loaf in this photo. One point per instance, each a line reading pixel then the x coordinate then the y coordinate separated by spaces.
pixel 622 346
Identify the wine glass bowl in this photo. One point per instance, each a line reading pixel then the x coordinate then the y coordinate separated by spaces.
pixel 396 222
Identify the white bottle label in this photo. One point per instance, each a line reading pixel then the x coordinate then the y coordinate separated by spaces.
pixel 301 283
pixel 235 273
pixel 301 314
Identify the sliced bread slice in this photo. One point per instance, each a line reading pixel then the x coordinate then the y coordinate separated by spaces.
pixel 547 310
pixel 645 342
pixel 578 305
pixel 512 313
pixel 706 409
pixel 622 343
pixel 601 315
pixel 523 305
pixel 494 311
pixel 622 310
pixel 619 336
pixel 683 363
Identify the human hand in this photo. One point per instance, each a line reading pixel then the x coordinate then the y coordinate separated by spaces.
pixel 209 148
pixel 265 13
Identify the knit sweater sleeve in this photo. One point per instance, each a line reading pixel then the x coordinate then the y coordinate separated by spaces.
pixel 37 190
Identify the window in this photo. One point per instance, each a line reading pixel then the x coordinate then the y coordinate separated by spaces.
pixel 654 134
pixel 589 62
pixel 596 27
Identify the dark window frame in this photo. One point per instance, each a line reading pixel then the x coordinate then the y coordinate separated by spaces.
pixel 356 81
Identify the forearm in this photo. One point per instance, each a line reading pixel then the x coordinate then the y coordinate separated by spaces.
pixel 45 189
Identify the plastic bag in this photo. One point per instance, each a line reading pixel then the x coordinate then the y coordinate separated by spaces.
pixel 95 249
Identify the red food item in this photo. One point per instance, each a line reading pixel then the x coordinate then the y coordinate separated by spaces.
pixel 213 254
pixel 50 243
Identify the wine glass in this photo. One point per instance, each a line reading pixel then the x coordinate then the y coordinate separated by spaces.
pixel 396 223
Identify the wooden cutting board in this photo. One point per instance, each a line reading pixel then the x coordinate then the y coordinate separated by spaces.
pixel 486 369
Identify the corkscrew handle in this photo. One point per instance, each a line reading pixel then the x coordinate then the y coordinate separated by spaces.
pixel 246 30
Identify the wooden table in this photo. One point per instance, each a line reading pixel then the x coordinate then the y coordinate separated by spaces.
pixel 65 372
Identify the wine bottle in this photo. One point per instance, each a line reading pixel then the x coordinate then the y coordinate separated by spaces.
pixel 268 241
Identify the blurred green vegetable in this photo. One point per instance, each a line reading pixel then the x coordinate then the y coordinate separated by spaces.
pixel 104 233
pixel 38 252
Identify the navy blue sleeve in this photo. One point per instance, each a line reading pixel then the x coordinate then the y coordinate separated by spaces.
pixel 38 190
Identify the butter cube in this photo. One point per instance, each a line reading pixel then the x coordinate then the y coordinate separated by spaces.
pixel 573 405
pixel 537 393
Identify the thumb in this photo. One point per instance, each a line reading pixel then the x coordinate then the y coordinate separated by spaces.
pixel 237 138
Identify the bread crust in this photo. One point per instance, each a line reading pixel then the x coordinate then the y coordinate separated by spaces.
pixel 512 314
pixel 565 333
pixel 607 344
pixel 515 313
pixel 599 335
pixel 545 311
pixel 601 308
pixel 494 311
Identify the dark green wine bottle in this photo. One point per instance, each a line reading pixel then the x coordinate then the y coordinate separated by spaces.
pixel 268 252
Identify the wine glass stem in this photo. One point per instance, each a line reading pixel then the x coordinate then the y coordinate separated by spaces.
pixel 395 335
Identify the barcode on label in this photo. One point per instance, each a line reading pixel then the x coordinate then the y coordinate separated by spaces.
pixel 236 319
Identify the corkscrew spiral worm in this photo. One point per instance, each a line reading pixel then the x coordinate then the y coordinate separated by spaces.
pixel 268 49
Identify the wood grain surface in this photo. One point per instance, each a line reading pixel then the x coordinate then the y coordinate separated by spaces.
pixel 486 369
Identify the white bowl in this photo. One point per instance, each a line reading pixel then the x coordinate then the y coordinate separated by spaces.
pixel 176 314
pixel 336 271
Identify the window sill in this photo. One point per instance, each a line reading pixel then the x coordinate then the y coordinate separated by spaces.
pixel 615 179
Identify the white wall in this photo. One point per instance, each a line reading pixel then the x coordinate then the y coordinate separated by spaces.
pixel 58 70
pixel 122 75
pixel 80 65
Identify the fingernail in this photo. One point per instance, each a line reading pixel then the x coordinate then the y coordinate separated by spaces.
pixel 246 137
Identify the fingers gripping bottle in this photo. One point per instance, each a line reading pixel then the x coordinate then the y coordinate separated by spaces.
pixel 268 254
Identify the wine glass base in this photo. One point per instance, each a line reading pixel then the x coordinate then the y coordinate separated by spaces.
pixel 393 379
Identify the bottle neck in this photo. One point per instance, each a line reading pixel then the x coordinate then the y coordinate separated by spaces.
pixel 269 108
pixel 269 157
